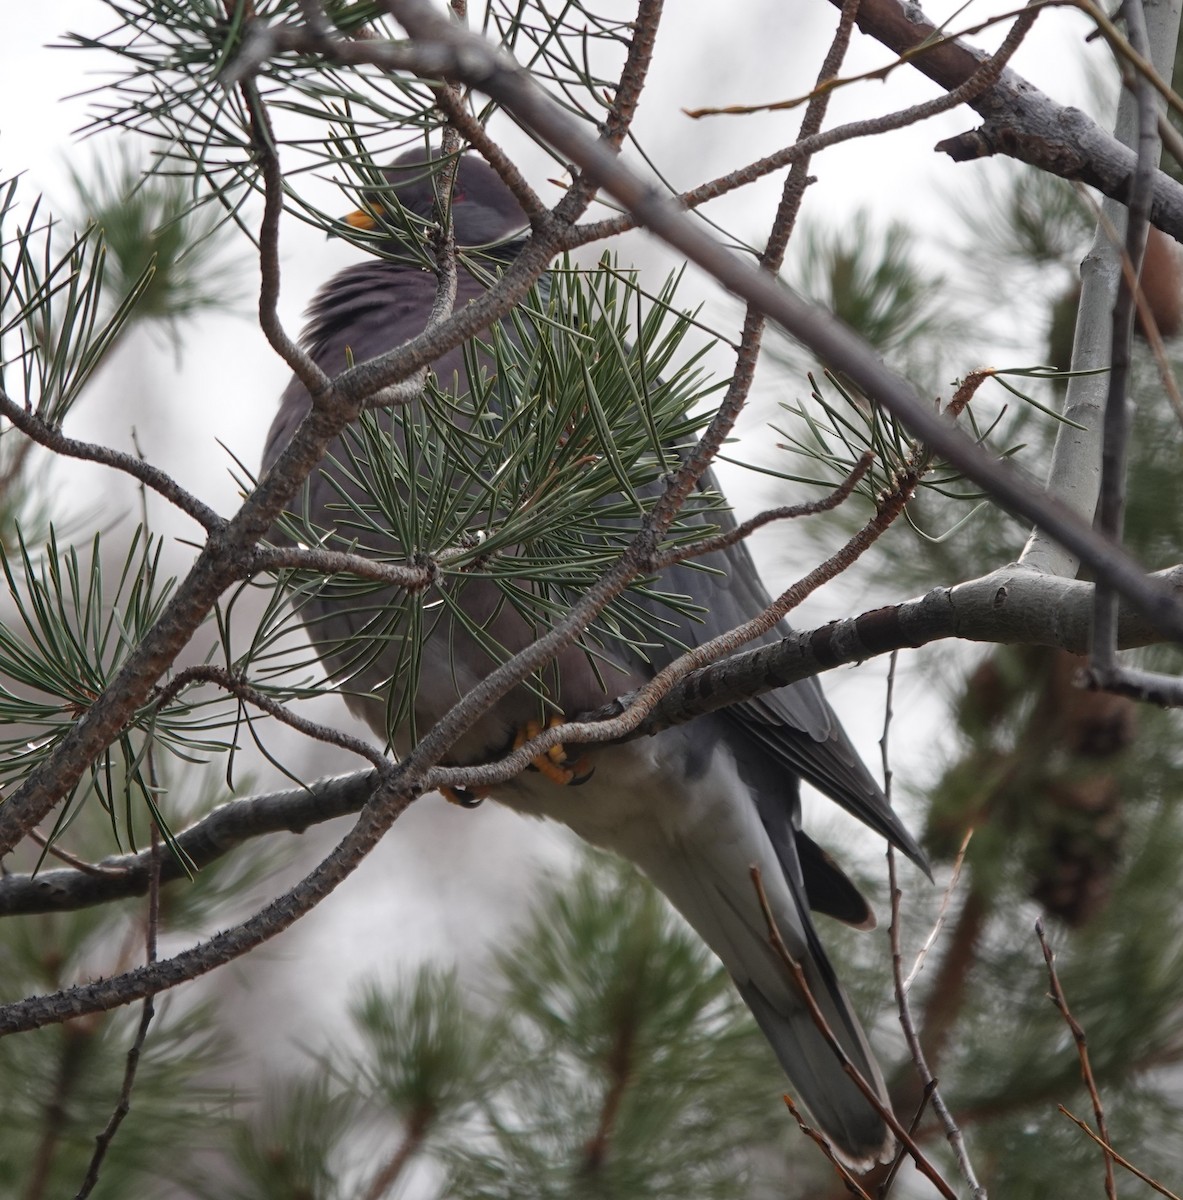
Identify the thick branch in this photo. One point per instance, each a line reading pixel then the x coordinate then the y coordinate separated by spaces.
pixel 1075 471
pixel 482 65
pixel 1020 121
pixel 1007 606
pixel 215 835
pixel 1010 606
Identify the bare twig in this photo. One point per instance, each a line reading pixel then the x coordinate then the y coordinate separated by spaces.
pixel 931 1090
pixel 263 141
pixel 952 1131
pixel 33 427
pixel 878 74
pixel 1110 1153
pixel 71 860
pixel 250 694
pixel 811 140
pixel 851 1183
pixel 1116 423
pixel 894 1169
pixel 942 912
pixel 123 1105
pixel 786 512
pixel 925 1167
pixel 1082 1049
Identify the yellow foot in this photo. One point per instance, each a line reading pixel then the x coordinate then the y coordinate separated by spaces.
pixel 555 763
pixel 464 797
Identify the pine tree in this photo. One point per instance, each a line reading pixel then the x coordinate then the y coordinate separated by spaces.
pixel 604 1052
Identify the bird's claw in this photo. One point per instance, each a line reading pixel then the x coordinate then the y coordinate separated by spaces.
pixel 555 763
pixel 464 797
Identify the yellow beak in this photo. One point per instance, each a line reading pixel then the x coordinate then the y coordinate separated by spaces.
pixel 361 220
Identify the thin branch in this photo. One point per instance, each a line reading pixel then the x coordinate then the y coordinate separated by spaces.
pixel 634 73
pixel 811 141
pixel 877 75
pixel 786 512
pixel 931 1090
pixel 1117 1158
pixel 71 860
pixel 923 1165
pixel 819 1140
pixel 953 1132
pixel 620 1071
pixel 477 136
pixel 942 913
pixel 389 1172
pixel 1116 422
pixel 483 66
pixel 339 562
pixel 52 438
pixel 1132 53
pixel 1082 1049
pixel 263 143
pixel 245 691
pixel 123 1105
pixel 901 1154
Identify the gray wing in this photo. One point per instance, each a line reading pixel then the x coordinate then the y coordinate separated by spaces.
pixel 794 728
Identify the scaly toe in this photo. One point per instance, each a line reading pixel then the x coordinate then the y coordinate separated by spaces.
pixel 554 762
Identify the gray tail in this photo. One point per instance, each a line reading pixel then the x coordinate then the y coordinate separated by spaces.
pixel 858 1134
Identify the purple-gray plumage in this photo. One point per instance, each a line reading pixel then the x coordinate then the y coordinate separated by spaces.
pixel 694 807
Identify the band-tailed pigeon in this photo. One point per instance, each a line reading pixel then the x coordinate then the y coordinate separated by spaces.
pixel 694 807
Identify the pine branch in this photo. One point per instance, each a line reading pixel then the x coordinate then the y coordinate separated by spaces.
pixel 477 62
pixel 1007 607
pixel 1020 120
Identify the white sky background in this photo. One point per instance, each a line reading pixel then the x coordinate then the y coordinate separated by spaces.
pixel 445 881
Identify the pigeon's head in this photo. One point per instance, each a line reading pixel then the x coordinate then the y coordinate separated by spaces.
pixel 484 210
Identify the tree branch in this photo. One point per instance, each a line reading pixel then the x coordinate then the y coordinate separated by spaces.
pixel 225 557
pixel 44 434
pixel 1010 606
pixel 480 64
pixel 1020 121
pixel 1075 471
pixel 1116 423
